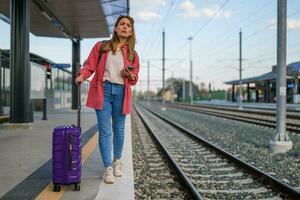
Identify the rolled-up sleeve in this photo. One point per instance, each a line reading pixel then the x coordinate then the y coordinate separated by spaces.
pixel 91 63
pixel 135 72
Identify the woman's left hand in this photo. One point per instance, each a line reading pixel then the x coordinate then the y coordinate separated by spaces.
pixel 126 73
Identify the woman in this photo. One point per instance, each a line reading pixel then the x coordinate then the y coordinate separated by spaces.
pixel 110 91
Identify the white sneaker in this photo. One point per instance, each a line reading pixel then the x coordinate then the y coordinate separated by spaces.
pixel 117 168
pixel 108 176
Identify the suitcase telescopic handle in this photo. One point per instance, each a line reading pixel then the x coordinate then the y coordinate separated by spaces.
pixel 79 105
pixel 71 141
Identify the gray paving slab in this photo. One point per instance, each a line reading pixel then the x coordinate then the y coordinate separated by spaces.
pixel 31 186
pixel 92 172
pixel 92 184
pixel 22 151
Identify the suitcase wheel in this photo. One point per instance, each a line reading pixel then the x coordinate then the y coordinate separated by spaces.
pixel 56 188
pixel 76 187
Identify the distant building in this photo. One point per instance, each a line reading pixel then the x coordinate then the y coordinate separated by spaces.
pixel 177 89
pixel 263 88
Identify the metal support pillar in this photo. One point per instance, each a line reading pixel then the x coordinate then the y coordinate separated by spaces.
pixel 20 104
pixel 44 102
pixel 240 91
pixel 148 82
pixel 75 69
pixel 128 7
pixel 248 92
pixel 295 90
pixel 191 72
pixel 1 101
pixel 3 88
pixel 163 68
pixel 209 92
pixel 281 142
pixel 232 94
pixel 183 90
pixel 266 92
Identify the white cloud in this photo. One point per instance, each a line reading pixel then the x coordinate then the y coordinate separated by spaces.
pixel 146 16
pixel 272 24
pixel 210 12
pixel 149 4
pixel 227 14
pixel 146 10
pixel 292 24
pixel 189 10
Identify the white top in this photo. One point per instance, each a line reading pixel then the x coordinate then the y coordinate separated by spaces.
pixel 114 65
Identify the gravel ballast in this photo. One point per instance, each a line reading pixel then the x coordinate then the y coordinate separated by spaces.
pixel 153 177
pixel 247 141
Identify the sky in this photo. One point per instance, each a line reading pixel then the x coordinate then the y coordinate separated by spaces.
pixel 214 26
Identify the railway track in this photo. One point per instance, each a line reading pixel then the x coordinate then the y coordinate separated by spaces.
pixel 208 171
pixel 261 118
pixel 153 176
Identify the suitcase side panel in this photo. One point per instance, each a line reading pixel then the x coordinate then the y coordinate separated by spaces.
pixel 58 154
pixel 74 174
pixel 66 150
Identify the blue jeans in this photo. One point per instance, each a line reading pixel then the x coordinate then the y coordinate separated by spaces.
pixel 112 109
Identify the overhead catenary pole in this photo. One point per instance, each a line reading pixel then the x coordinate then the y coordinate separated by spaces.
pixel 163 67
pixel 281 143
pixel 209 92
pixel 191 71
pixel 1 102
pixel 183 89
pixel 240 70
pixel 173 90
pixel 128 7
pixel 148 81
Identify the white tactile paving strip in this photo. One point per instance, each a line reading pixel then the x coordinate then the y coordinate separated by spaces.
pixel 123 188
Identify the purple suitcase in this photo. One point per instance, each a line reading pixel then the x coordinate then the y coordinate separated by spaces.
pixel 66 154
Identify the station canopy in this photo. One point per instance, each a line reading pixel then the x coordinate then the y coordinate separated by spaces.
pixel 76 19
pixel 265 77
pixel 293 70
pixel 5 58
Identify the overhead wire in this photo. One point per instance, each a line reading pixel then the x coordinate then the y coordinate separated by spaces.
pixel 160 29
pixel 202 27
pixel 149 32
pixel 254 33
pixel 233 28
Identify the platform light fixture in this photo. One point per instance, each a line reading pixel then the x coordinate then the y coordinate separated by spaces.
pixel 4 18
pixel 47 16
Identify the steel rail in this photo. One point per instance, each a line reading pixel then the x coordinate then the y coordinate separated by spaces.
pixel 257 173
pixel 248 119
pixel 266 112
pixel 175 165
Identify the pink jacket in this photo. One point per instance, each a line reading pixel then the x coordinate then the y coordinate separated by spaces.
pixel 92 64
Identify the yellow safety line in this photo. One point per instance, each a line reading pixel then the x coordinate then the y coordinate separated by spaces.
pixel 47 193
pixel 4 117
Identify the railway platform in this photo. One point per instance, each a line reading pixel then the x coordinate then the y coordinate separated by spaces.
pixel 25 170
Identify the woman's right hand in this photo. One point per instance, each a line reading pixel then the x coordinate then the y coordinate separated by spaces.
pixel 79 79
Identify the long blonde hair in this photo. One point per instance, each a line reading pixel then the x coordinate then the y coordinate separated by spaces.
pixel 113 43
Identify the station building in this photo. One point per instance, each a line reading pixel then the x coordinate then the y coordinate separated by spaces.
pixel 76 20
pixel 48 80
pixel 262 89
